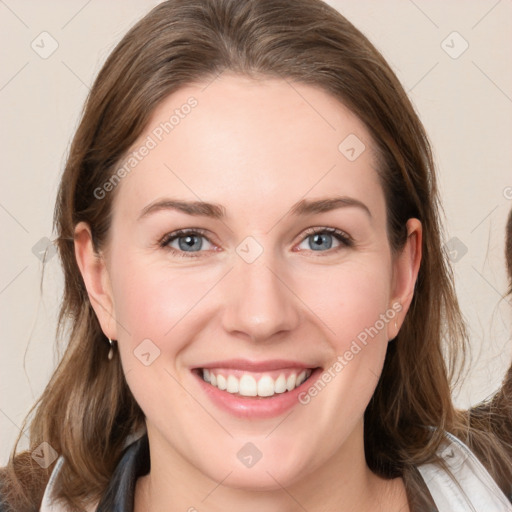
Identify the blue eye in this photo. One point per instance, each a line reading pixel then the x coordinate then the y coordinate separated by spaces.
pixel 322 239
pixel 189 241
pixel 192 242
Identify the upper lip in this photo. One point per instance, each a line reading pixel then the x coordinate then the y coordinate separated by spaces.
pixel 256 366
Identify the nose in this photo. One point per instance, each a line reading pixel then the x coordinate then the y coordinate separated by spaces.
pixel 258 301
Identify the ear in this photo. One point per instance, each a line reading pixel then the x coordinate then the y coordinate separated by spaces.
pixel 96 278
pixel 406 266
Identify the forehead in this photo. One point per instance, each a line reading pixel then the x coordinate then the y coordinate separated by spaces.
pixel 243 142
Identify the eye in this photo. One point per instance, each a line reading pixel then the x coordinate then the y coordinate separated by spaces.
pixel 185 242
pixel 191 242
pixel 322 239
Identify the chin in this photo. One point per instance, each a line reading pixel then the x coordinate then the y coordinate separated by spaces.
pixel 247 480
pixel 269 475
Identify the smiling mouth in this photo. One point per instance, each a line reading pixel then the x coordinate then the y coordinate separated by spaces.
pixel 257 385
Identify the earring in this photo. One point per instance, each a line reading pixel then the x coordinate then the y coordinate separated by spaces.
pixel 396 327
pixel 111 351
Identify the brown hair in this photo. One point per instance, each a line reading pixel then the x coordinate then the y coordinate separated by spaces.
pixel 87 410
pixel 494 416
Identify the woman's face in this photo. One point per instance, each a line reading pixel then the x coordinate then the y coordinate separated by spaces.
pixel 288 273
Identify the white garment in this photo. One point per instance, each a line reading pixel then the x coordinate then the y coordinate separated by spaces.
pixel 478 491
pixel 47 504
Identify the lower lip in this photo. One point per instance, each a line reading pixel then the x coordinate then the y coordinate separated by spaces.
pixel 256 407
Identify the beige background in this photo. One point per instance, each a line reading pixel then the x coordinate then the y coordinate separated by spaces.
pixel 465 103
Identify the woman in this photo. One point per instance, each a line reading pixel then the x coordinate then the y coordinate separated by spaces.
pixel 248 225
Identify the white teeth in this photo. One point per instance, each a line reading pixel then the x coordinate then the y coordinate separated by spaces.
pixel 280 385
pixel 266 386
pixel 233 385
pixel 221 382
pixel 290 383
pixel 247 385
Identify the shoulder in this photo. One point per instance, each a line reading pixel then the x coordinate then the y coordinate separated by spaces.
pixel 459 482
pixel 118 496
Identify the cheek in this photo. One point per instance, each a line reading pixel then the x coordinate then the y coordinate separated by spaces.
pixel 355 307
pixel 150 298
pixel 165 305
pixel 349 298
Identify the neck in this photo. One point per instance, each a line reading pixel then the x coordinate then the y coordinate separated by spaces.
pixel 343 483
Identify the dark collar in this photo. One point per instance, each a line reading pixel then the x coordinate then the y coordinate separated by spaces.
pixel 120 492
pixel 134 463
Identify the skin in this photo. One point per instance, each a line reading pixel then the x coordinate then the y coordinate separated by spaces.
pixel 292 302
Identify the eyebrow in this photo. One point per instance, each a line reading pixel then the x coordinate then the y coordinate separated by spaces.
pixel 198 208
pixel 306 207
pixel 217 211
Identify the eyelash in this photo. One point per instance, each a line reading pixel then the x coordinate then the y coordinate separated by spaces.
pixel 342 237
pixel 170 237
